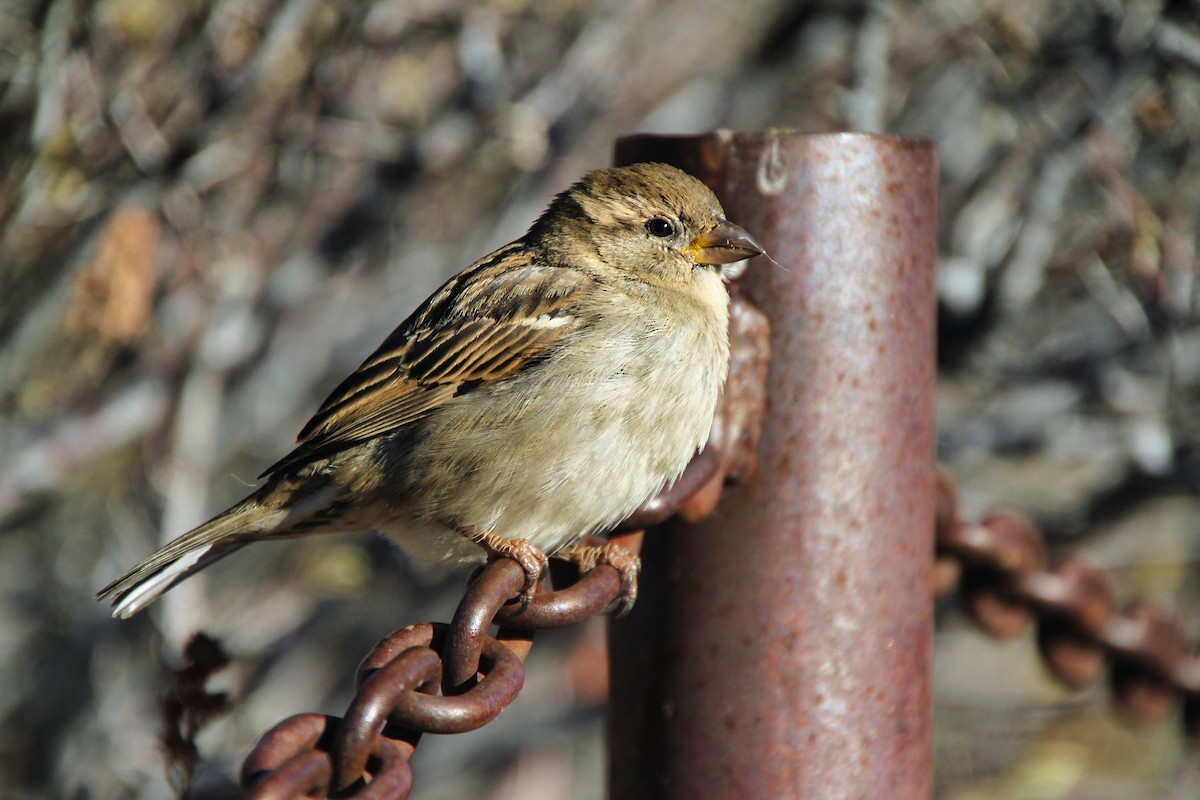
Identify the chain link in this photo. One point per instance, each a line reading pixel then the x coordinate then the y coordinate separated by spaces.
pixel 1000 567
pixel 365 753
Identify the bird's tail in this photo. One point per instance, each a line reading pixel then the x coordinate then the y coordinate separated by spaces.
pixel 190 553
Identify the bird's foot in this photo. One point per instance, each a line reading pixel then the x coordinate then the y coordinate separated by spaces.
pixel 532 561
pixel 589 556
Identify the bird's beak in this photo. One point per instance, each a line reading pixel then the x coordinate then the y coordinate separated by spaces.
pixel 725 243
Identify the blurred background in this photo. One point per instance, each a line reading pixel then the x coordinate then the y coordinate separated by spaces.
pixel 210 212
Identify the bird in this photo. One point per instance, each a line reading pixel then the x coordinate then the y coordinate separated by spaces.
pixel 537 397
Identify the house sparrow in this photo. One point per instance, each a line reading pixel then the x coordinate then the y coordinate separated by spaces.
pixel 540 395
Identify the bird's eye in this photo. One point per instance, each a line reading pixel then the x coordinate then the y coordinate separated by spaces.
pixel 660 227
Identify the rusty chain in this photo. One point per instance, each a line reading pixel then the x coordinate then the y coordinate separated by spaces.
pixel 365 753
pixel 1000 567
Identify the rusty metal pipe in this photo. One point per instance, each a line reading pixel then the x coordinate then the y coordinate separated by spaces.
pixel 782 647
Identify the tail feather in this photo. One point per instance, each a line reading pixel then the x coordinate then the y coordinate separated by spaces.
pixel 183 557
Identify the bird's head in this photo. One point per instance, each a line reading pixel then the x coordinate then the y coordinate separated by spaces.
pixel 650 219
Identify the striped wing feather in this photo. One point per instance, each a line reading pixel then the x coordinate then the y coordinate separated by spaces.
pixel 496 318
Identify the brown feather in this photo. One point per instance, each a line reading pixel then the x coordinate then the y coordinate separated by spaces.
pixel 498 317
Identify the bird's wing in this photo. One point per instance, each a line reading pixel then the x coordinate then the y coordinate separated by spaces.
pixel 498 317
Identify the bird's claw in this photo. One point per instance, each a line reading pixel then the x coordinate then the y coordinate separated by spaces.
pixel 589 556
pixel 532 561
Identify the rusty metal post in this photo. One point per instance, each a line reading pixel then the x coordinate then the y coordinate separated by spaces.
pixel 781 649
